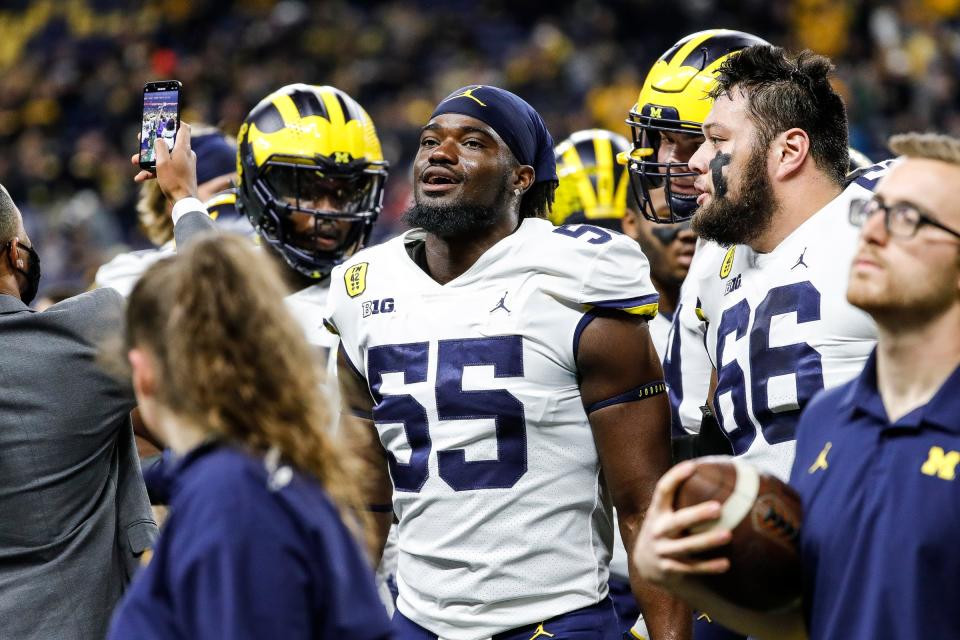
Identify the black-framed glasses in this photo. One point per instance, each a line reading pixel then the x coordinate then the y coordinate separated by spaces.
pixel 901 219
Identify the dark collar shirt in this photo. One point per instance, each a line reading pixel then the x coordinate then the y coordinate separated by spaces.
pixel 251 553
pixel 880 541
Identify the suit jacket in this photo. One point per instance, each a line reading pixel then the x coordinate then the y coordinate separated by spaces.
pixel 74 513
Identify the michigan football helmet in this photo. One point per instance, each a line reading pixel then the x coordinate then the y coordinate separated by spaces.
pixel 674 99
pixel 593 186
pixel 310 153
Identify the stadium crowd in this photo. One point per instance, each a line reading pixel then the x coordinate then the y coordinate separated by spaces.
pixel 429 330
pixel 73 71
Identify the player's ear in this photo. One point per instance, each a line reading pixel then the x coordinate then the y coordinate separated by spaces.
pixel 630 224
pixel 791 149
pixel 523 177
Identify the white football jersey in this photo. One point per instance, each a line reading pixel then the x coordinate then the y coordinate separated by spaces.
pixel 308 306
pixel 659 333
pixel 123 271
pixel 686 364
pixel 780 329
pixel 497 486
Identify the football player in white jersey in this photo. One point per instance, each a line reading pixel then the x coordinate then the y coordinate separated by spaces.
pixel 593 189
pixel 311 179
pixel 511 383
pixel 772 173
pixel 666 126
pixel 311 182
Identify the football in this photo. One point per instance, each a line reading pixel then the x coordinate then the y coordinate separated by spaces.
pixel 764 515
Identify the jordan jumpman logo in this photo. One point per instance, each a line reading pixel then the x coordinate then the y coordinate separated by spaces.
pixel 800 261
pixel 500 304
pixel 540 632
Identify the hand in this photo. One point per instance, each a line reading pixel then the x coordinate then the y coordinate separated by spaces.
pixel 662 553
pixel 176 172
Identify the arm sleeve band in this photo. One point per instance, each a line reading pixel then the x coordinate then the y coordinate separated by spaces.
pixel 642 392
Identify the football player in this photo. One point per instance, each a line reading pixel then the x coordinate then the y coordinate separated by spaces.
pixel 311 182
pixel 507 370
pixel 666 127
pixel 772 176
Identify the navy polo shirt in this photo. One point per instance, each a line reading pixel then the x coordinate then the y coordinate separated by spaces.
pixel 247 554
pixel 880 542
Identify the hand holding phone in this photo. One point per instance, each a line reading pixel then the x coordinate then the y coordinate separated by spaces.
pixel 160 119
pixel 177 169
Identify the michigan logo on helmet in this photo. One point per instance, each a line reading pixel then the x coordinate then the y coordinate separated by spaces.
pixel 593 186
pixel 674 100
pixel 311 175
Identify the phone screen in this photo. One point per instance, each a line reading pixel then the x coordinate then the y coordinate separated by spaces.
pixel 161 118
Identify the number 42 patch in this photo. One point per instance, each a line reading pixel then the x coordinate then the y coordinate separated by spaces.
pixel 355 279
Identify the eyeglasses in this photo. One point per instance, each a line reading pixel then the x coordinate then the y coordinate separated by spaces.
pixel 901 219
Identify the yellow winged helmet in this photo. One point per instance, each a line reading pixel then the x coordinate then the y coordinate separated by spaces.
pixel 300 141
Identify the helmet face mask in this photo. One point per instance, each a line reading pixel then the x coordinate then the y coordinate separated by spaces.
pixel 675 100
pixel 303 209
pixel 311 176
pixel 648 175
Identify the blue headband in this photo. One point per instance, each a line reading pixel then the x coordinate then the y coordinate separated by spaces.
pixel 515 121
pixel 215 156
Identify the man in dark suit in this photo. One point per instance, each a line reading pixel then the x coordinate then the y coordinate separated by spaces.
pixel 74 514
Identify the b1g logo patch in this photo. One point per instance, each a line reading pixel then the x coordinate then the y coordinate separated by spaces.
pixel 355 279
pixel 374 307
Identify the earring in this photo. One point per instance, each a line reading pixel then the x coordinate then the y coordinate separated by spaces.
pixel 516 192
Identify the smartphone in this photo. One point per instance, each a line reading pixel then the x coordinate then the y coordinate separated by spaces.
pixel 160 118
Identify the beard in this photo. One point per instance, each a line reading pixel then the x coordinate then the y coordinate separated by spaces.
pixel 728 220
pixel 450 220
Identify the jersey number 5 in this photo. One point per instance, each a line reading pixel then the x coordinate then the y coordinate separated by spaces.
pixel 505 354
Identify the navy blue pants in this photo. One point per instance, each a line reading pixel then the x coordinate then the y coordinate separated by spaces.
pixel 596 622
pixel 624 603
pixel 628 611
pixel 703 629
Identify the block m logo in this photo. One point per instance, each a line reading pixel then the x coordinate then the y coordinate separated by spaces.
pixel 941 464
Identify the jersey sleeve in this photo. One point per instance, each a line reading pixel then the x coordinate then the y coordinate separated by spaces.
pixel 619 278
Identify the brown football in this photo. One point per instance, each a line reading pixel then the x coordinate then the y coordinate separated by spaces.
pixel 764 515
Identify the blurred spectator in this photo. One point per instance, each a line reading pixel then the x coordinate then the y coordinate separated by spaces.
pixel 262 540
pixel 73 72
